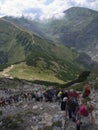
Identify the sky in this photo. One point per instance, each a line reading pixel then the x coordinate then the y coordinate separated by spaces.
pixel 43 9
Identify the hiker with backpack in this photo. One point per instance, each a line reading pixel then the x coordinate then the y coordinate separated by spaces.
pixel 85 118
pixel 63 103
pixel 71 107
pixel 86 90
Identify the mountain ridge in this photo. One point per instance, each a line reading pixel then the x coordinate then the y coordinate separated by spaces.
pixel 78 29
pixel 44 55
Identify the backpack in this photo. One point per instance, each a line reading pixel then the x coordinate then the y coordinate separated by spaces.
pixel 83 110
pixel 88 90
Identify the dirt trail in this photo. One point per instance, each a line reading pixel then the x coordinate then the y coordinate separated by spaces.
pixel 5 71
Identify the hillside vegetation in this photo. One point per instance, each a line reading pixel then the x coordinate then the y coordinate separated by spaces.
pixel 18 45
pixel 78 28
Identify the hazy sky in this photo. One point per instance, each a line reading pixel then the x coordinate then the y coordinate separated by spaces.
pixel 42 8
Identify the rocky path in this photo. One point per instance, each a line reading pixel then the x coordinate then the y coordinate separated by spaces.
pixel 95 113
pixel 42 115
pixel 36 115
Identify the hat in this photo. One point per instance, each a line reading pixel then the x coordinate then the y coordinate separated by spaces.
pixel 64 99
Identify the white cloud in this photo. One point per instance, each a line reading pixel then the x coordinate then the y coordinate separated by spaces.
pixel 53 9
pixel 16 7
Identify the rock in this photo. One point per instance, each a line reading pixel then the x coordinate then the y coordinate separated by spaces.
pixel 41 115
pixel 34 127
pixel 47 119
pixel 35 107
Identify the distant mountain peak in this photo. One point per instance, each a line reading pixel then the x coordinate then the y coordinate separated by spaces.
pixel 80 11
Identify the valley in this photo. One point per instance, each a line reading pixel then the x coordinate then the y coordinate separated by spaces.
pixel 46 56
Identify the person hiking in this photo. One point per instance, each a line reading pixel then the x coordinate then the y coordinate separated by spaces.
pixel 59 95
pixel 85 118
pixel 86 90
pixel 63 103
pixel 71 107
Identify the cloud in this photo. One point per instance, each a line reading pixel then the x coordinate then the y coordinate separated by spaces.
pixel 55 9
pixel 42 8
pixel 18 7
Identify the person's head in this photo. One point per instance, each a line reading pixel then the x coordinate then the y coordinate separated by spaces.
pixel 83 101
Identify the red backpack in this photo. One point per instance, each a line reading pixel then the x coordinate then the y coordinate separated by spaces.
pixel 83 110
pixel 88 90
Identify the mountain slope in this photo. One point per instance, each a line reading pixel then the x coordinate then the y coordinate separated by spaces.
pixel 30 25
pixel 78 29
pixel 9 42
pixel 18 45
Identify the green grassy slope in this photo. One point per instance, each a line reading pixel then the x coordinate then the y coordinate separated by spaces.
pixel 45 58
pixel 8 42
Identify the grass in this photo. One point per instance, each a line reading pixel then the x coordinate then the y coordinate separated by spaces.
pixel 16 54
pixel 57 124
pixel 12 122
pixel 50 62
pixel 22 71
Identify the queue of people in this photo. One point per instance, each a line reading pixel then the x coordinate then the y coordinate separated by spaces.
pixel 51 95
pixel 72 102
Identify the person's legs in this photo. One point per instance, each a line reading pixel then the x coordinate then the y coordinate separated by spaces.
pixel 78 123
pixel 70 113
pixel 78 126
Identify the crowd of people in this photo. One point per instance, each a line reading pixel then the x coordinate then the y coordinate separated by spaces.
pixel 78 109
pixel 73 103
pixel 51 95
